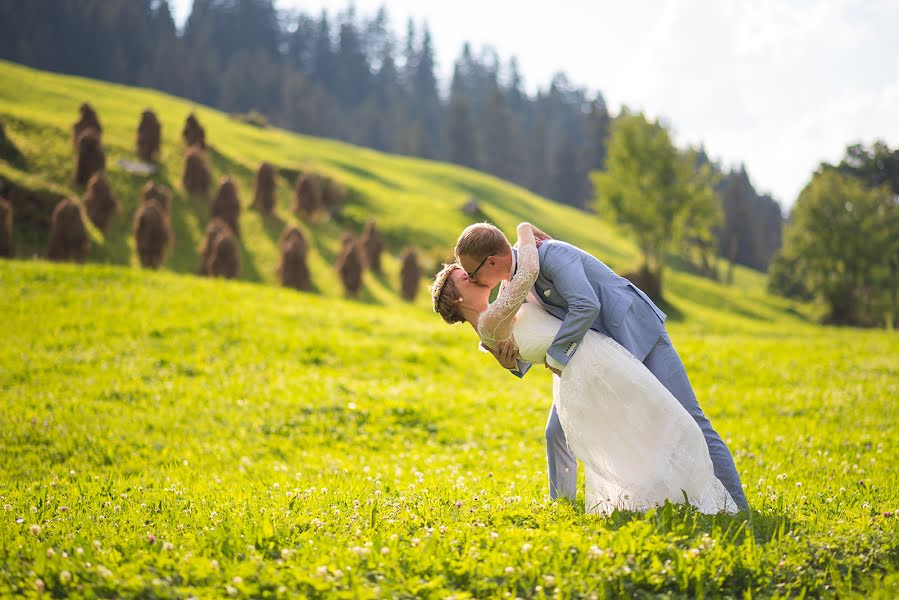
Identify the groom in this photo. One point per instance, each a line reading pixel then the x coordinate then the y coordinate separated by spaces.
pixel 586 294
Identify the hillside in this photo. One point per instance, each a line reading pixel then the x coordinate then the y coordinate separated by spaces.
pixel 415 202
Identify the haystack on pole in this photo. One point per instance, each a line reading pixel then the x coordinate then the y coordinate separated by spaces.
pixel 197 178
pixel 7 247
pixel 410 275
pixel 153 234
pixel 350 265
pixel 149 136
pixel 372 245
pixel 193 133
pixel 219 251
pixel 159 193
pixel 69 239
pixel 264 189
pixel 226 204
pixel 90 157
pixel 100 201
pixel 307 196
pixel 87 119
pixel 293 270
pixel 333 195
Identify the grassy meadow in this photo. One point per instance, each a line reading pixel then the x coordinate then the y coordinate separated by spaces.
pixel 168 436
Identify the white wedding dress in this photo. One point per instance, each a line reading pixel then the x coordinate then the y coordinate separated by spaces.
pixel 639 446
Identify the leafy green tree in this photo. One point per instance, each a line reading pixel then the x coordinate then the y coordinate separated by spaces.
pixel 651 188
pixel 702 218
pixel 842 243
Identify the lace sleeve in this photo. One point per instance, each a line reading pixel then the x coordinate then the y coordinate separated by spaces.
pixel 496 322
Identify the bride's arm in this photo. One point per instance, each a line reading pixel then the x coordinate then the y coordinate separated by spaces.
pixel 496 323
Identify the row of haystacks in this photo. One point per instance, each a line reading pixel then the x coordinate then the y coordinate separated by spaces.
pixel 220 248
pixel 358 254
pixel 314 196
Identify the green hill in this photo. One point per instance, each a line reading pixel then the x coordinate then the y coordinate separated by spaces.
pixel 415 202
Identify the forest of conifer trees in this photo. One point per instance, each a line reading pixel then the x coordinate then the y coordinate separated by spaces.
pixel 351 77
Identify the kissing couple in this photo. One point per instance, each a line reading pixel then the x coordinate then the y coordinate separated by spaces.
pixel 622 402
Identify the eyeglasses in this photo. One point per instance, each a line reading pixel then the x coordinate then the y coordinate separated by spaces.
pixel 474 273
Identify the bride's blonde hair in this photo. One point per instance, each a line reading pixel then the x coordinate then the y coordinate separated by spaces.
pixel 445 295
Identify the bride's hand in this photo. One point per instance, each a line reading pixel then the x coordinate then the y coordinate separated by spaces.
pixel 506 353
pixel 539 235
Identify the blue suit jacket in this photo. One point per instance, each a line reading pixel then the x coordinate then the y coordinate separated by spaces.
pixel 586 294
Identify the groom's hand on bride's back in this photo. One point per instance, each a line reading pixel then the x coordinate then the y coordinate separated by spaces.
pixel 540 236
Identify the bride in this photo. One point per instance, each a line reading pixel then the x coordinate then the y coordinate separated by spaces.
pixel 639 446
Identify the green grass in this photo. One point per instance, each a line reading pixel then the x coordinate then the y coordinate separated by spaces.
pixel 166 436
pixel 163 435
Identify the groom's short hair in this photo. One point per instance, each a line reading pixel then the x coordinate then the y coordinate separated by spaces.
pixel 481 240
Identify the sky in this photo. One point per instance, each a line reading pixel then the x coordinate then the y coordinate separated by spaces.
pixel 778 85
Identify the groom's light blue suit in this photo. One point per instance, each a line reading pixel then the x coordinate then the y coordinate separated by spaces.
pixel 586 294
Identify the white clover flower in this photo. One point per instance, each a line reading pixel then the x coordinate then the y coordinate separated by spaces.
pixel 167 546
pixel 35 529
pixel 7 507
pixel 385 550
pixel 214 564
pixel 231 590
pixel 415 542
pixel 525 548
pixel 39 585
pixel 510 570
pixel 549 580
pixel 104 572
pixel 65 577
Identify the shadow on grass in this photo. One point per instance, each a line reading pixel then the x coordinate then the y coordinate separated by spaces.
pixel 226 166
pixel 273 225
pixel 763 528
pixel 674 314
pixel 364 173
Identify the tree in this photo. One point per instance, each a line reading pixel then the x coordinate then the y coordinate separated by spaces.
pixel 353 76
pixel 651 188
pixel 498 135
pixel 751 231
pixel 842 244
pixel 702 218
pixel 462 147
